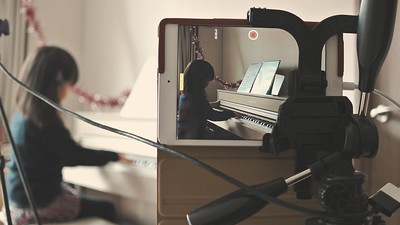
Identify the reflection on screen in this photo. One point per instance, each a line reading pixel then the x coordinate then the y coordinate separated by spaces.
pixel 232 52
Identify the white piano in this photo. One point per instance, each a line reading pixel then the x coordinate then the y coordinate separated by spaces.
pixel 133 188
pixel 259 113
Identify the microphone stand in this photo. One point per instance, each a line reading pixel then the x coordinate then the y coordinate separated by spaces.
pixel 4 188
pixel 4 29
pixel 21 170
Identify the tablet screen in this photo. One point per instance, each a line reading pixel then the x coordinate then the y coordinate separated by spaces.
pixel 231 47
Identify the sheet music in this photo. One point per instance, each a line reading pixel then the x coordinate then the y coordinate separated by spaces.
pixel 276 86
pixel 249 78
pixel 263 83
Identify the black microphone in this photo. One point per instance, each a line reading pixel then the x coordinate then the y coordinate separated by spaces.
pixel 374 36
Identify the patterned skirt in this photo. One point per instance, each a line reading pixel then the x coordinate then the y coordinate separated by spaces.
pixel 65 207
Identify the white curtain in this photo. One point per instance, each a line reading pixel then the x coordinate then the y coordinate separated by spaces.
pixel 186 50
pixel 12 49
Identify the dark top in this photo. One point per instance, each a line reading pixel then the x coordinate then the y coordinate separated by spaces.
pixel 193 116
pixel 44 152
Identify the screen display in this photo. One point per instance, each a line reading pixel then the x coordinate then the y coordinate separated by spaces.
pixel 236 54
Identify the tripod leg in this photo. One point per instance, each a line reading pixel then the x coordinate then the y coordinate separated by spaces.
pixel 4 188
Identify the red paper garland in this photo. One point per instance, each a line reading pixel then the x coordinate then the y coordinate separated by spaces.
pixel 29 11
pixel 96 99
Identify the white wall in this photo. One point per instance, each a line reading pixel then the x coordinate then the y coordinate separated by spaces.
pixel 112 39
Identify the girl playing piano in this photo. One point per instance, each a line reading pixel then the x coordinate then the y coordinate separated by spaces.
pixel 194 109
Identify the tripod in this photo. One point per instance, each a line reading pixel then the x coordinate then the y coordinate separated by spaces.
pixel 330 128
pixel 3 186
pixel 4 29
pixel 27 188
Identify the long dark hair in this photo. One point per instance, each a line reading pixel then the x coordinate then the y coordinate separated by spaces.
pixel 196 74
pixel 50 68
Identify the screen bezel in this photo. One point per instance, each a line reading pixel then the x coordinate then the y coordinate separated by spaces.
pixel 167 81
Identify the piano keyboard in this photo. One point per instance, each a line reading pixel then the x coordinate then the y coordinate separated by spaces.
pixel 246 127
pixel 259 113
pixel 256 121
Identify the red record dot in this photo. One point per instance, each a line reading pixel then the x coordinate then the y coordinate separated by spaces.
pixel 253 35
